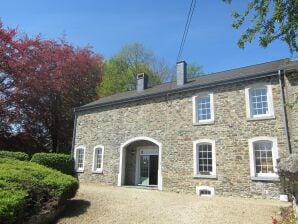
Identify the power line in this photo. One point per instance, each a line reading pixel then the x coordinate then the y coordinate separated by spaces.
pixel 186 28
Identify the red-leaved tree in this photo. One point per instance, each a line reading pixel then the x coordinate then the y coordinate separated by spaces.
pixel 41 81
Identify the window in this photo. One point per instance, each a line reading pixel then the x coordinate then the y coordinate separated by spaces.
pixel 79 158
pixel 205 191
pixel 98 159
pixel 263 154
pixel 203 112
pixel 204 158
pixel 259 103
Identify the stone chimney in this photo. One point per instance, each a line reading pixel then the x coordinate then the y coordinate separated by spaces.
pixel 181 72
pixel 142 81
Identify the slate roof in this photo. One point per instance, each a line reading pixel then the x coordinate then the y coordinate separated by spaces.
pixel 206 81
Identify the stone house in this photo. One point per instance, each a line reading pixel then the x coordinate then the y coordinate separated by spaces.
pixel 220 134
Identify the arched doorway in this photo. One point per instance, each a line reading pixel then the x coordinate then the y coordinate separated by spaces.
pixel 140 162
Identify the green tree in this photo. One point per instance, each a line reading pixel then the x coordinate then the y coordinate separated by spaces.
pixel 269 20
pixel 194 70
pixel 120 70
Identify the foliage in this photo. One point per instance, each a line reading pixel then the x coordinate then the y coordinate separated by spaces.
pixel 62 162
pixel 194 70
pixel 120 70
pixel 288 171
pixel 28 188
pixel 21 141
pixel 14 155
pixel 41 81
pixel 287 216
pixel 270 20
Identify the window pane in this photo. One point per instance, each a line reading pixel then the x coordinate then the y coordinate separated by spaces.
pixel 263 157
pixel 203 108
pixel 259 101
pixel 80 157
pixel 98 158
pixel 204 158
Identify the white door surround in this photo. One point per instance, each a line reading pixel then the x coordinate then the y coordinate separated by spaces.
pixel 123 146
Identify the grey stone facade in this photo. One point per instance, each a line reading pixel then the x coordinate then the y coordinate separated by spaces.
pixel 169 120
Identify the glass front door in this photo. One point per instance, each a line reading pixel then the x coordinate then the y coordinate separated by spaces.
pixel 148 169
pixel 145 165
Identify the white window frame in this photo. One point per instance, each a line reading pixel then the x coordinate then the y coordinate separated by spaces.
pixel 249 114
pixel 94 169
pixel 252 161
pixel 79 170
pixel 195 157
pixel 194 106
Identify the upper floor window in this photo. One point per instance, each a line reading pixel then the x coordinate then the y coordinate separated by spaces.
pixel 79 158
pixel 204 158
pixel 203 112
pixel 263 155
pixel 259 102
pixel 98 159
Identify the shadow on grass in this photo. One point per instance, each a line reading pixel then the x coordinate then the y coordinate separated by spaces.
pixel 75 207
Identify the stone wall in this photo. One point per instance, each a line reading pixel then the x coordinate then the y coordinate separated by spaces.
pixel 291 83
pixel 168 120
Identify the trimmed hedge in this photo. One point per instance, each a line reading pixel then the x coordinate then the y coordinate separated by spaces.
pixel 62 162
pixel 28 188
pixel 14 155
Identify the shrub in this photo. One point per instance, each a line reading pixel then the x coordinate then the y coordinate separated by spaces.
pixel 28 188
pixel 14 155
pixel 62 162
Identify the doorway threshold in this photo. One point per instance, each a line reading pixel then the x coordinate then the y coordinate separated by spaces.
pixel 147 187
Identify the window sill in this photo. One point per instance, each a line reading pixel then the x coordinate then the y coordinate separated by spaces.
pixel 79 171
pixel 203 123
pixel 97 172
pixel 204 176
pixel 269 179
pixel 267 117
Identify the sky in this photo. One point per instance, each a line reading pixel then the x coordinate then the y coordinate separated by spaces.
pixel 158 25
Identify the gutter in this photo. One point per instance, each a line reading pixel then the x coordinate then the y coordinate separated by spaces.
pixel 173 91
pixel 74 134
pixel 281 77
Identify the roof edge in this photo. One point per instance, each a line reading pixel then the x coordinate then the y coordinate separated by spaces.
pixel 175 91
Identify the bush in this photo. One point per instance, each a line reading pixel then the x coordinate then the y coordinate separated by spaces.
pixel 62 162
pixel 14 155
pixel 28 188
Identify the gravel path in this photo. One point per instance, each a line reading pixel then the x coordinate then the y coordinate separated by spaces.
pixel 106 204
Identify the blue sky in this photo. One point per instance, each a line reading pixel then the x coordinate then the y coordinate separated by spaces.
pixel 108 25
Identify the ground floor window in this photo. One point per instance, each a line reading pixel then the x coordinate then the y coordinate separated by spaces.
pixel 79 158
pixel 204 158
pixel 263 156
pixel 98 159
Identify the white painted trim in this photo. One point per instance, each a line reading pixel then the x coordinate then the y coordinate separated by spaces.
pixel 79 170
pixel 270 114
pixel 194 108
pixel 252 165
pixel 121 173
pixel 94 158
pixel 200 188
pixel 195 143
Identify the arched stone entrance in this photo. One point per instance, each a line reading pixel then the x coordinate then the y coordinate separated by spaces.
pixel 140 162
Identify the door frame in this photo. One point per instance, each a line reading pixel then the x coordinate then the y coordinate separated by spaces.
pixel 122 150
pixel 138 154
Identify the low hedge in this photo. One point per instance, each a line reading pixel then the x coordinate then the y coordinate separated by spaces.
pixel 14 155
pixel 62 162
pixel 28 188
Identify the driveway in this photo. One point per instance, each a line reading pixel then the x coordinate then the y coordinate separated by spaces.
pixel 106 204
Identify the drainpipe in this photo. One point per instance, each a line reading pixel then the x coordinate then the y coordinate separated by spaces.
pixel 74 133
pixel 281 76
